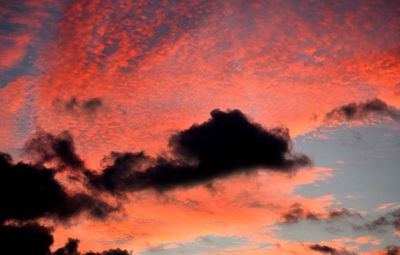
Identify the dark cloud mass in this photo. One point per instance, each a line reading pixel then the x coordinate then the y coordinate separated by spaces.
pixel 28 192
pixel 71 248
pixel 363 111
pixel 123 174
pixel 229 140
pixel 226 144
pixel 34 239
pixel 28 239
pixel 44 147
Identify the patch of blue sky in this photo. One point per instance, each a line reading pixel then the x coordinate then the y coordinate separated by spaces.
pixel 366 163
pixel 202 244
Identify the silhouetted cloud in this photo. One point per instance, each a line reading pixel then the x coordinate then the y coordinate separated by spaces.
pixel 44 147
pixel 31 238
pixel 226 144
pixel 88 107
pixel 28 192
pixel 34 239
pixel 110 252
pixel 71 248
pixel 296 213
pixel 324 249
pixel 229 140
pixel 125 172
pixel 362 111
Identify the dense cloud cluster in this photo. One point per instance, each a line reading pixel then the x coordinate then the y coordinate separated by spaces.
pixel 363 111
pixel 226 144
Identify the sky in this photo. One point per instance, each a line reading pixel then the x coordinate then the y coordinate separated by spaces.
pixel 199 127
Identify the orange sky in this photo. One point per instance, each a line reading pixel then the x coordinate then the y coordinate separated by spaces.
pixel 158 67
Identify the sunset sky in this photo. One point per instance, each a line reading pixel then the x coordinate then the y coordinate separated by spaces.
pixel 199 127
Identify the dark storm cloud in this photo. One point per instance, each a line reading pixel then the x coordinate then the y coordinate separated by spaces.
pixel 71 248
pixel 226 144
pixel 44 147
pixel 296 213
pixel 87 107
pixel 362 111
pixel 29 238
pixel 28 192
pixel 382 223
